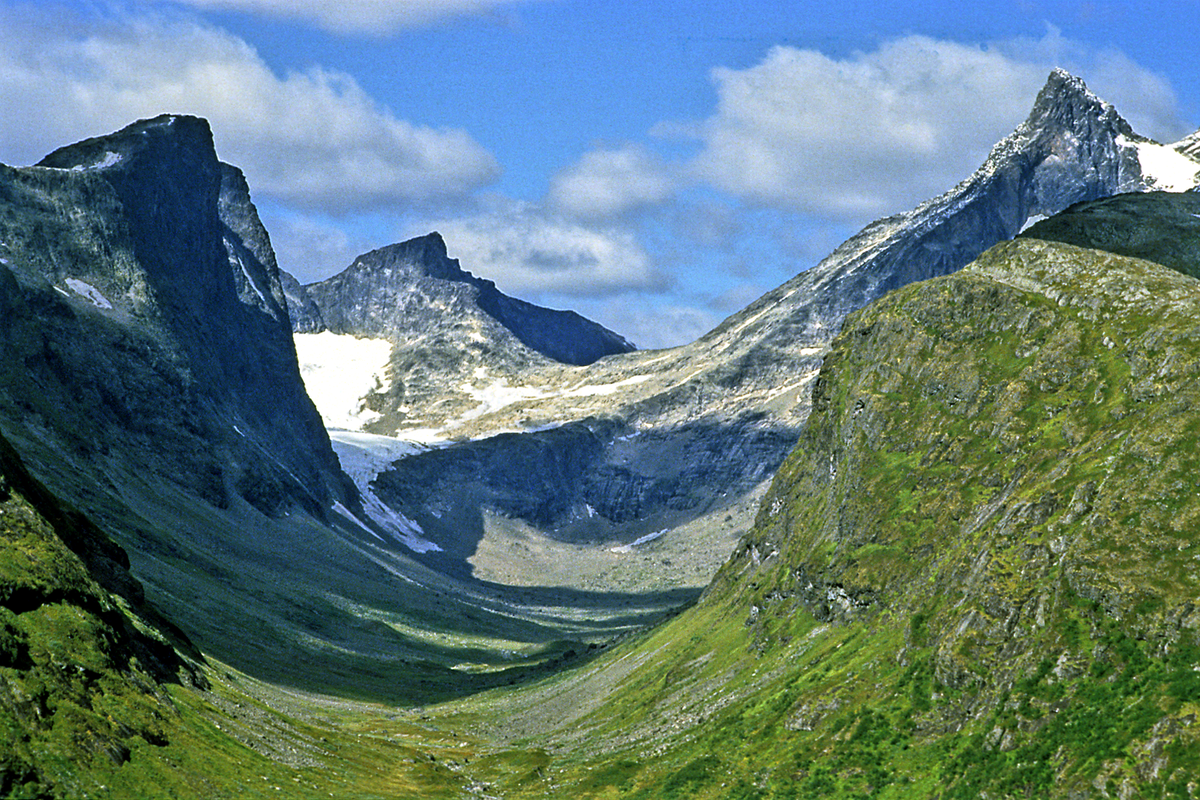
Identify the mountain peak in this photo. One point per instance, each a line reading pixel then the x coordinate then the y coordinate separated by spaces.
pixel 420 256
pixel 1066 100
pixel 186 138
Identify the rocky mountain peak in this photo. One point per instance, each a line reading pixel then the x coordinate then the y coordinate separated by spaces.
pixel 165 141
pixel 424 255
pixel 413 289
pixel 1066 101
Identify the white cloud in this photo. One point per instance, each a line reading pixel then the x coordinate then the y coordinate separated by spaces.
pixel 359 16
pixel 651 327
pixel 611 182
pixel 314 139
pixel 310 247
pixel 878 132
pixel 528 252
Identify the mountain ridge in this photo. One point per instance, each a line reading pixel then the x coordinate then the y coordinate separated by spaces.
pixel 737 398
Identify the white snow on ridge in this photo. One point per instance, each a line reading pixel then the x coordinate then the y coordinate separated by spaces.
pixel 88 292
pixel 1163 167
pixel 339 371
pixel 107 160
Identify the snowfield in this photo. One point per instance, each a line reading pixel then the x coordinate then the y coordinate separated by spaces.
pixel 339 371
pixel 1165 168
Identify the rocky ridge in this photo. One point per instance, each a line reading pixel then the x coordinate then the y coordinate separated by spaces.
pixel 735 400
pixel 145 324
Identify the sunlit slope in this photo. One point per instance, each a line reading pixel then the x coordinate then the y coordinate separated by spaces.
pixel 976 574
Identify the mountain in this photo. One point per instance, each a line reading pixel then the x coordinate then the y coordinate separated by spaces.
pixel 974 577
pixel 414 289
pixel 445 326
pixel 145 326
pixel 678 443
pixel 148 379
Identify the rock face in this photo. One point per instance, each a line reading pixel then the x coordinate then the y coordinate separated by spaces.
pixel 737 398
pixel 145 324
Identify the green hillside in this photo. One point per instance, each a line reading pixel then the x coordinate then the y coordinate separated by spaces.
pixel 975 576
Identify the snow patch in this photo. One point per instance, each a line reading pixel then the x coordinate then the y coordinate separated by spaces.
pixel 363 457
pixel 236 260
pixel 339 371
pixel 594 389
pixel 496 395
pixel 107 160
pixel 1031 221
pixel 88 292
pixel 1165 168
pixel 628 548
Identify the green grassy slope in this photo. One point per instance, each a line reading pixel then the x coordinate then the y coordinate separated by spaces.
pixel 101 697
pixel 976 575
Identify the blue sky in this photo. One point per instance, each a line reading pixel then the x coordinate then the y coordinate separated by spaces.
pixel 653 165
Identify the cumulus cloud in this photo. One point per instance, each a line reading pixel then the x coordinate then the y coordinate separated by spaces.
pixel 310 247
pixel 611 182
pixel 376 17
pixel 529 253
pixel 314 139
pixel 878 132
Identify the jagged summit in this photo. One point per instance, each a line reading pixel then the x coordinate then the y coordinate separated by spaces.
pixel 1066 99
pixel 395 291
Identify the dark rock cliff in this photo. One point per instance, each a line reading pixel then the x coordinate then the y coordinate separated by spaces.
pixel 146 327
